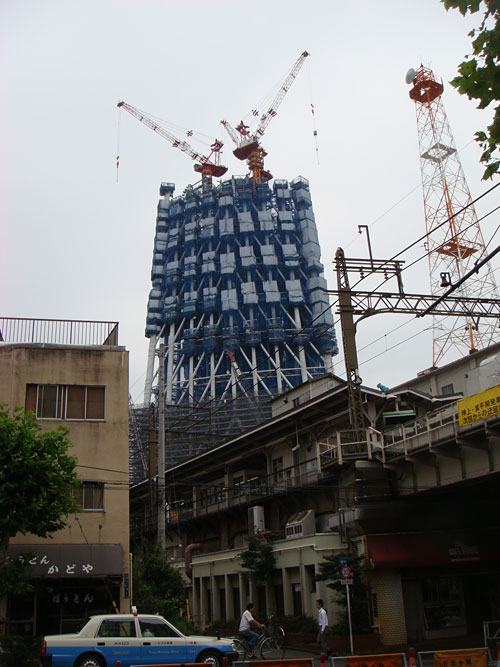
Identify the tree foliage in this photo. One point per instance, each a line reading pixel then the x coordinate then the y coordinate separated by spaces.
pixel 158 588
pixel 329 570
pixel 258 560
pixel 37 477
pixel 258 563
pixel 479 75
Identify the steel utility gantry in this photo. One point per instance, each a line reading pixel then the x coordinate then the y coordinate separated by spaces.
pixel 367 303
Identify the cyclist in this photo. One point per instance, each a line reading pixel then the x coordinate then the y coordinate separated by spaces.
pixel 247 622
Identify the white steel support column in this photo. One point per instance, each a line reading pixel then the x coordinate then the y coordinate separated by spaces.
pixel 279 383
pixel 161 446
pixel 302 354
pixel 148 384
pixel 170 363
pixel 234 382
pixel 191 380
pixel 255 373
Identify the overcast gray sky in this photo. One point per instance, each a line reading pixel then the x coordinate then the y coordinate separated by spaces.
pixel 77 243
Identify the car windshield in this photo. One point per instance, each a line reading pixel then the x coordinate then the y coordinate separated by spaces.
pixel 117 628
pixel 156 627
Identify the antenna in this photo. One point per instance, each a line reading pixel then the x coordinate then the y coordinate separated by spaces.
pixel 410 76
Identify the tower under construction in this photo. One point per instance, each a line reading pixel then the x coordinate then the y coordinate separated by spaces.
pixel 454 239
pixel 238 297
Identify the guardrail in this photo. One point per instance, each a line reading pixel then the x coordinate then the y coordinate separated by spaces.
pixel 421 432
pixel 219 497
pixel 346 445
pixel 58 332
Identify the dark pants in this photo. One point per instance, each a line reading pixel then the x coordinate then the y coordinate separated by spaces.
pixel 251 638
pixel 323 644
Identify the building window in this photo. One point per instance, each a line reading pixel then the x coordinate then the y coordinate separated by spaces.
pixel 75 402
pixel 90 496
pixel 447 390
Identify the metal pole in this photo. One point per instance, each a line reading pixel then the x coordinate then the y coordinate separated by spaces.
pixel 161 446
pixel 349 616
pixel 365 227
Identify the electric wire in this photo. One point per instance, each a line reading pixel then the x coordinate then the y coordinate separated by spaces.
pixel 394 257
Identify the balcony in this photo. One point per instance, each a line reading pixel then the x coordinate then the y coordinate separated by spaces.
pixel 421 433
pixel 345 446
pixel 218 497
pixel 57 332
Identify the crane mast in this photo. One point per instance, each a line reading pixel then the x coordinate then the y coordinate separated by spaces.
pixel 248 143
pixel 208 167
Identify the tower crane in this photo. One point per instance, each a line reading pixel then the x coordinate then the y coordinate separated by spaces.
pixel 248 143
pixel 208 167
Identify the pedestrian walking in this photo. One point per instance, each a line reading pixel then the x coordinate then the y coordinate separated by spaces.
pixel 322 628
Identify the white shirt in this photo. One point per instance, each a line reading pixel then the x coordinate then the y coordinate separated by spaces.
pixel 322 618
pixel 245 621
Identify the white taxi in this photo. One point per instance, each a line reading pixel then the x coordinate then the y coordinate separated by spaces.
pixel 132 640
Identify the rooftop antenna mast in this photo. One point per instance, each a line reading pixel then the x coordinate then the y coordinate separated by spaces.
pixel 457 245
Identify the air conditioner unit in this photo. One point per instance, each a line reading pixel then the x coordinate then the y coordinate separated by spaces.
pixel 256 520
pixel 301 524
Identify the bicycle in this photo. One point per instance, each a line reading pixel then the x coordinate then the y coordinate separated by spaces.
pixel 270 644
pixel 276 632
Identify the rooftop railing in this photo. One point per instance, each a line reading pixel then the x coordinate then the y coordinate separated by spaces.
pixel 58 332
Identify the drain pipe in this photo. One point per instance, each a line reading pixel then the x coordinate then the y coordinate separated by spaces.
pixel 188 557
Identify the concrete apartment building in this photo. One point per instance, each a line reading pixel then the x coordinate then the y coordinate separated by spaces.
pixel 417 496
pixel 73 374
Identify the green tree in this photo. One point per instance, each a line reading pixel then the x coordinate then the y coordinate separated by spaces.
pixel 479 76
pixel 329 570
pixel 158 588
pixel 37 477
pixel 258 563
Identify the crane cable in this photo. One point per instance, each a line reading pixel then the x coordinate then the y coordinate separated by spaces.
pixel 118 143
pixel 315 131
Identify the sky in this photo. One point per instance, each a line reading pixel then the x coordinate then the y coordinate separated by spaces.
pixel 77 233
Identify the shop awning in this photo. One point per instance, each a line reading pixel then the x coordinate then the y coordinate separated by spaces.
pixel 77 561
pixel 417 549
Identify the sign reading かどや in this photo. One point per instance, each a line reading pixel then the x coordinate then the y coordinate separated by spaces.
pixel 480 406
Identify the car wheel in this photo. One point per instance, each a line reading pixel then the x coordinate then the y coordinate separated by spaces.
pixel 210 656
pixel 90 660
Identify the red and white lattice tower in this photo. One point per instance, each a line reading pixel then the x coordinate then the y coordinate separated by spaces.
pixel 454 239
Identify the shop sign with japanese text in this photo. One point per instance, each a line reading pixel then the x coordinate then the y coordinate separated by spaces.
pixel 480 406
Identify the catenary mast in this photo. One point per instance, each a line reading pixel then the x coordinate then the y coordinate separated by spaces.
pixel 454 238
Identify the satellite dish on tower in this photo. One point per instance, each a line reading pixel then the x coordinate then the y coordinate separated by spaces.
pixel 410 76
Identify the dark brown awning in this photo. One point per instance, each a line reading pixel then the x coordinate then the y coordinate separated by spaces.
pixel 77 561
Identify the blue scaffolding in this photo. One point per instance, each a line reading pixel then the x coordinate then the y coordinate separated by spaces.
pixel 238 292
